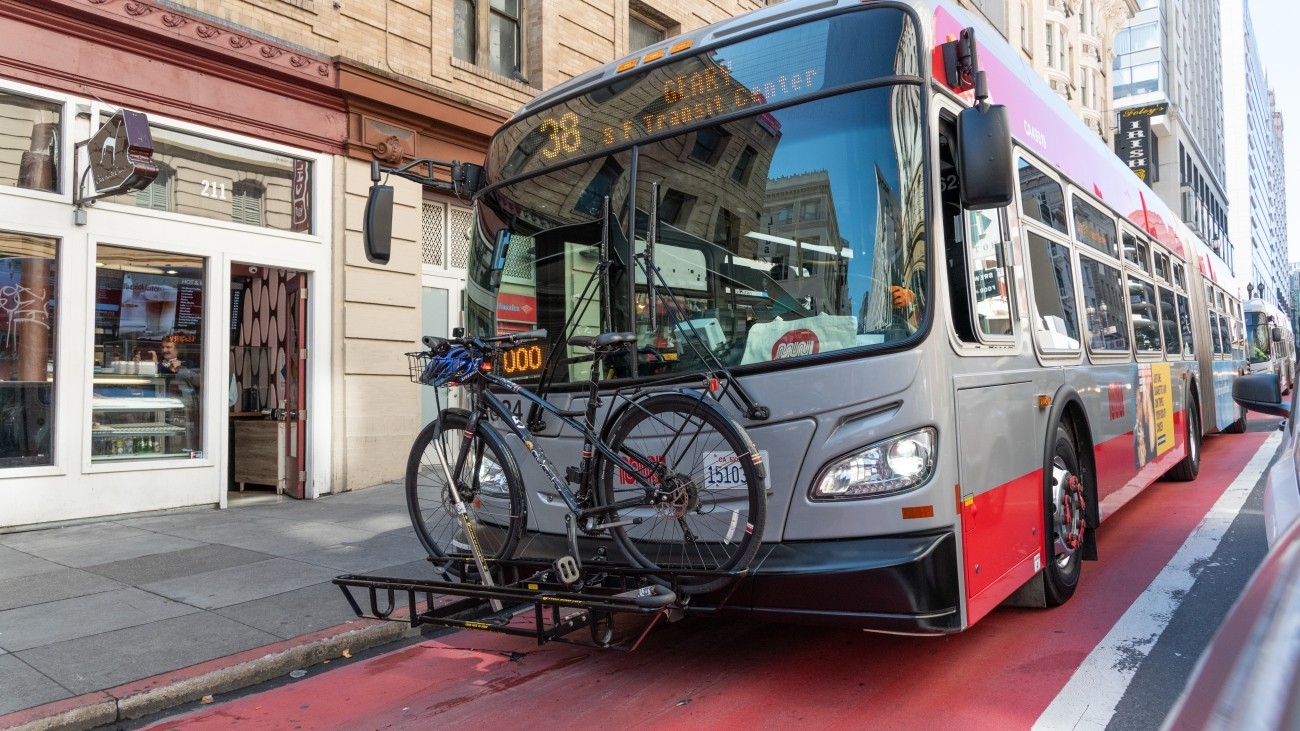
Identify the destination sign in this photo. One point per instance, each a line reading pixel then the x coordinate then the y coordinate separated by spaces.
pixel 685 99
pixel 775 68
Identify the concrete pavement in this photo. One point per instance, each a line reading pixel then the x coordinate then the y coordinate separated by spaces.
pixel 114 619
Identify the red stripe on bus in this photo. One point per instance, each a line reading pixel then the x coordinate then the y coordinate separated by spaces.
pixel 1118 476
pixel 1002 529
pixel 1001 532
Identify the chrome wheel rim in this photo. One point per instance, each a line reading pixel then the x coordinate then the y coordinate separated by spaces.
pixel 1067 513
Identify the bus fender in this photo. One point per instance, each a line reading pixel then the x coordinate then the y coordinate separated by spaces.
pixel 1067 406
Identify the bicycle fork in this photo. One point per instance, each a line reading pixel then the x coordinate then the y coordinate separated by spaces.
pixel 463 513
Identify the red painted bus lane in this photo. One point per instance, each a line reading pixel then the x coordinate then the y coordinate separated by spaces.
pixel 1001 674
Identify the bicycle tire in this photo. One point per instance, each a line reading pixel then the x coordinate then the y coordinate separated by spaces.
pixel 712 513
pixel 493 495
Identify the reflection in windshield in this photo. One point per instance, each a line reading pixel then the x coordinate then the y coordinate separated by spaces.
pixel 785 234
pixel 814 230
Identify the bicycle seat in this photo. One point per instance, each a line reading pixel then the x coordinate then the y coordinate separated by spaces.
pixel 601 341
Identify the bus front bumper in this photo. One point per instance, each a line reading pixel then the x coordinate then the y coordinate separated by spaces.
pixel 906 584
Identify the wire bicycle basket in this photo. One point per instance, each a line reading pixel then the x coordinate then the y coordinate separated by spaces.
pixel 431 369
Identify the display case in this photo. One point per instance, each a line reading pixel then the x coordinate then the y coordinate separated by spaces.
pixel 134 417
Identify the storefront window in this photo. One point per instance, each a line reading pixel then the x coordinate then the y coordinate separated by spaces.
pixel 147 357
pixel 28 283
pixel 199 176
pixel 29 142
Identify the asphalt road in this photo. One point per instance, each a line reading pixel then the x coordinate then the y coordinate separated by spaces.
pixel 1116 656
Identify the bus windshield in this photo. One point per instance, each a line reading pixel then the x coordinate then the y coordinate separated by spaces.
pixel 1258 337
pixel 783 232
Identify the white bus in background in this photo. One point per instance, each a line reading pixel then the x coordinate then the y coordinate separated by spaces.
pixel 1270 343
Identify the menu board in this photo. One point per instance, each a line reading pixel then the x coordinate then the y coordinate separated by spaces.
pixel 189 307
pixel 236 311
pixel 108 300
pixel 139 306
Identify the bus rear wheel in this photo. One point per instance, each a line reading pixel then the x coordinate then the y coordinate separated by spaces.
pixel 1190 465
pixel 1066 521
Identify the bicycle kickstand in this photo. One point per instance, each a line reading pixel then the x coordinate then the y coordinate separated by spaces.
pixel 568 569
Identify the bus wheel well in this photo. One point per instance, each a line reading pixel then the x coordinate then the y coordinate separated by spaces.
pixel 1075 420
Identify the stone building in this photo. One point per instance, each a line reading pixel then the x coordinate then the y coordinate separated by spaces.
pixel 265 117
pixel 1071 44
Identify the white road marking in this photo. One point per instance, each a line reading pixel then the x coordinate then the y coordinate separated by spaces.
pixel 1088 700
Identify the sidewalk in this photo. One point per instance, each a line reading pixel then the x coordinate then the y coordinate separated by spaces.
pixel 116 619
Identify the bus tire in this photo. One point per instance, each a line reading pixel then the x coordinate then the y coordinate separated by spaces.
pixel 1065 495
pixel 1190 465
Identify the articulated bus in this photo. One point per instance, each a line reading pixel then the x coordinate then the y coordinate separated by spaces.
pixel 953 396
pixel 1270 343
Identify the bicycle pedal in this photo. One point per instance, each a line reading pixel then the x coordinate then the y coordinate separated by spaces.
pixel 566 570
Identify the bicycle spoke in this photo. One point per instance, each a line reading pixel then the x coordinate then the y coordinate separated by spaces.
pixel 494 509
pixel 698 488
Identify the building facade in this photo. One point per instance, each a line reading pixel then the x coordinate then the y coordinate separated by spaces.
pixel 1071 44
pixel 136 324
pixel 242 263
pixel 1168 82
pixel 1256 178
pixel 1293 294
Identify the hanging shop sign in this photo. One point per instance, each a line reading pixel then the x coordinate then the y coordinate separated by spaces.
pixel 121 154
pixel 1134 143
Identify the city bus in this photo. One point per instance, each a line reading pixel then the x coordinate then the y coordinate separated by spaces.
pixel 1270 342
pixel 950 391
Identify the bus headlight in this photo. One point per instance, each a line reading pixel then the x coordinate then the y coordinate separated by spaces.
pixel 892 466
pixel 492 479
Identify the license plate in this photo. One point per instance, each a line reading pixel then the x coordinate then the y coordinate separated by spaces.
pixel 722 470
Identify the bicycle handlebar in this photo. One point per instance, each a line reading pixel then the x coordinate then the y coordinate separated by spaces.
pixel 436 343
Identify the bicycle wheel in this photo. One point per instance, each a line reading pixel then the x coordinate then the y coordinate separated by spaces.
pixel 489 486
pixel 708 504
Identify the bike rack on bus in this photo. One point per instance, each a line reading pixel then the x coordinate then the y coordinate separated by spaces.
pixel 607 594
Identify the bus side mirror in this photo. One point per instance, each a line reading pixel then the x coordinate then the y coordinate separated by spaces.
pixel 1277 334
pixel 499 253
pixel 1260 392
pixel 984 157
pixel 377 230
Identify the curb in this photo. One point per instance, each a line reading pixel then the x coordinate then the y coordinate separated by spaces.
pixel 140 698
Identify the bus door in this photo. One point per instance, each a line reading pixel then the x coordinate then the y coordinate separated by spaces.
pixel 1000 486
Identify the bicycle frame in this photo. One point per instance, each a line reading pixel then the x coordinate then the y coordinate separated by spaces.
pixel 486 402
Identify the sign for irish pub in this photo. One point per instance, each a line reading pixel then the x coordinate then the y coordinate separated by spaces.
pixel 121 154
pixel 1134 143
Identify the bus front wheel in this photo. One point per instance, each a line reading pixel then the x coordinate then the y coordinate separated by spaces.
pixel 1066 521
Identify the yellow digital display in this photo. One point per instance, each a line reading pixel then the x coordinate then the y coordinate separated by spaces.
pixel 523 361
pixel 681 99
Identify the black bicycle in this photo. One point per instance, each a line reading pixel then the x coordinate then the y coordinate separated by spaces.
pixel 674 480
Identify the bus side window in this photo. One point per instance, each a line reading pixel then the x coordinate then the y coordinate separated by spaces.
pixel 953 235
pixel 989 273
pixel 977 275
